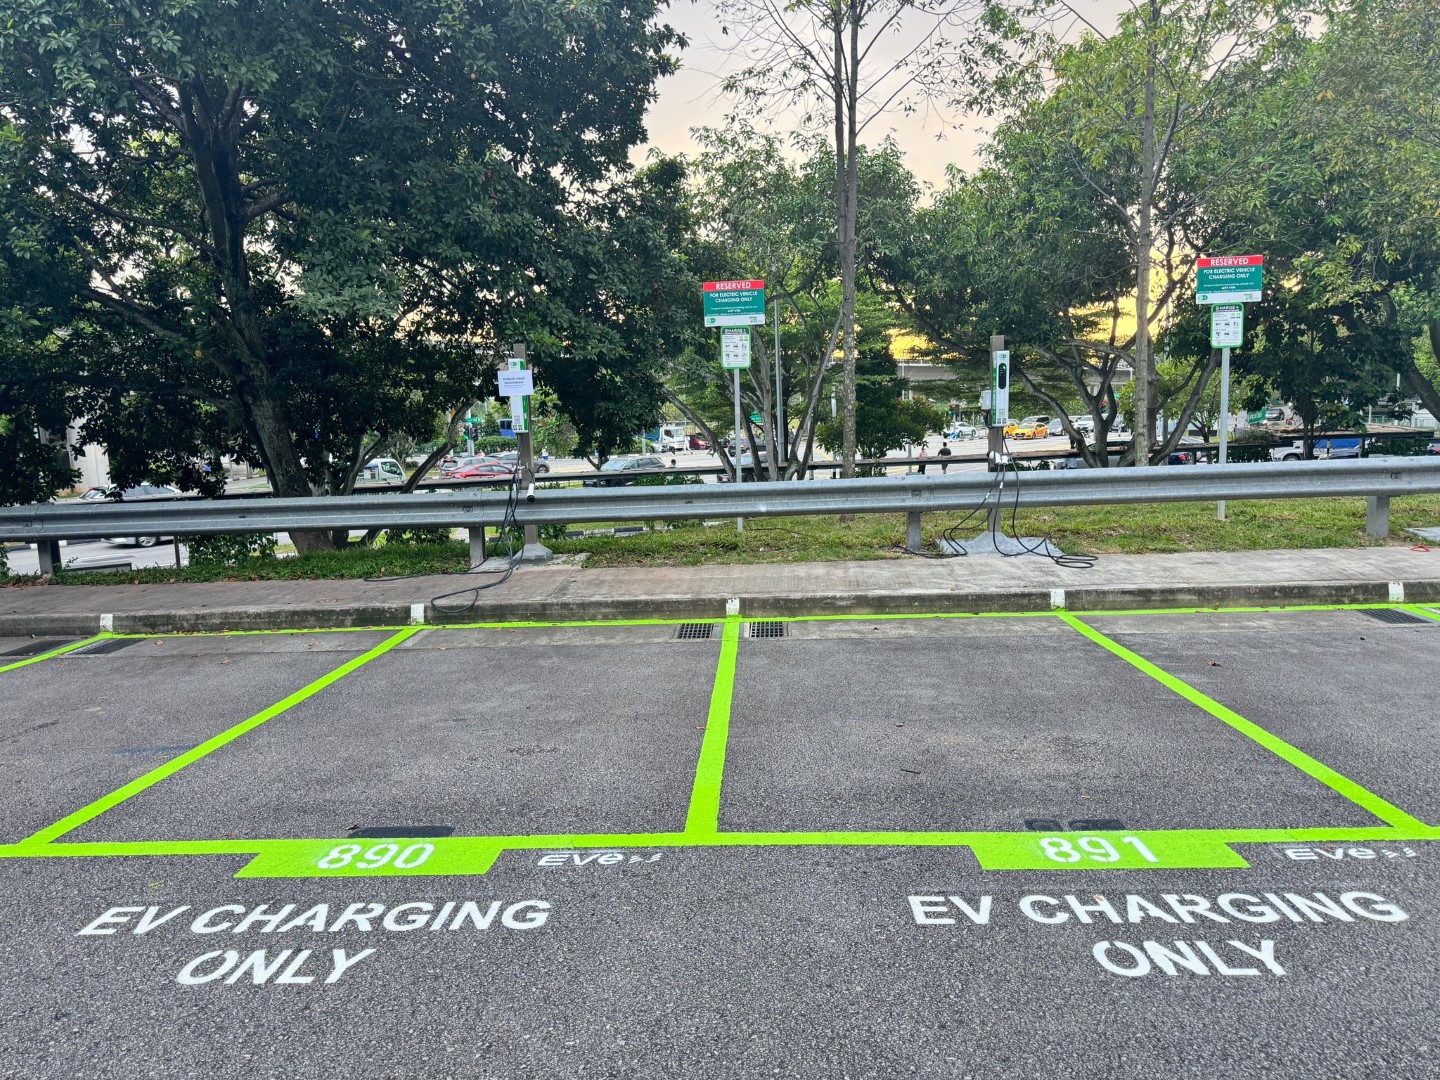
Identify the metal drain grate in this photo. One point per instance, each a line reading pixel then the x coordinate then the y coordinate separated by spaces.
pixel 35 648
pixel 1398 618
pixel 104 648
pixel 767 629
pixel 695 631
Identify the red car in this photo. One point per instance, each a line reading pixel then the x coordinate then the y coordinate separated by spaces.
pixel 481 469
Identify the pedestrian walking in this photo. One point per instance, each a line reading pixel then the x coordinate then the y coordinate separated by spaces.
pixel 922 455
pixel 944 453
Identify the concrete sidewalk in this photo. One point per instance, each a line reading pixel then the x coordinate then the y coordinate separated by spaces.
pixel 914 586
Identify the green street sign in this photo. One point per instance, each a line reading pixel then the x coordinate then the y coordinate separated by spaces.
pixel 734 303
pixel 755 418
pixel 1229 279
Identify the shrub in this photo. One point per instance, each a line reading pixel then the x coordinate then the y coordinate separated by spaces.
pixel 230 549
pixel 417 536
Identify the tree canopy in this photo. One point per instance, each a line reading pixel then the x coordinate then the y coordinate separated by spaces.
pixel 275 228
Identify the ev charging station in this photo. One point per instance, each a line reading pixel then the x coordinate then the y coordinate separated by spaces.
pixel 999 400
pixel 993 540
pixel 517 383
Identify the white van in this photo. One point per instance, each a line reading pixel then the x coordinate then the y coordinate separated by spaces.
pixel 385 470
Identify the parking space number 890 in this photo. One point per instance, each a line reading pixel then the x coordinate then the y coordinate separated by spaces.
pixel 377 856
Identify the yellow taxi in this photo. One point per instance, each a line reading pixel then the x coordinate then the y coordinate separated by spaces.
pixel 1012 429
pixel 1036 430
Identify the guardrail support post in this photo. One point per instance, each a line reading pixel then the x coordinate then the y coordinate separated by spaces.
pixel 476 533
pixel 1377 516
pixel 913 539
pixel 49 553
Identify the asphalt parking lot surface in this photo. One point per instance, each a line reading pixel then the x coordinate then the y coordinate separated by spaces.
pixel 1052 845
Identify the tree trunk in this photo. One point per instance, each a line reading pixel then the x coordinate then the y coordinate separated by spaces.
pixel 1144 363
pixel 1422 388
pixel 211 134
pixel 841 88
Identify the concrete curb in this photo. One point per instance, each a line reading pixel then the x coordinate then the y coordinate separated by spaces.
pixel 1085 598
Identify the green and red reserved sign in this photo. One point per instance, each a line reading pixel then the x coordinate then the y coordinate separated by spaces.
pixel 1229 279
pixel 734 303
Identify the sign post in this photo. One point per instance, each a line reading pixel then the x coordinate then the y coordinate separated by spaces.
pixel 1227 283
pixel 735 306
pixel 735 358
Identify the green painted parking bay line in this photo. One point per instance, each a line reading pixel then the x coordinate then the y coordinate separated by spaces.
pixel 704 813
pixel 61 651
pixel 154 776
pixel 1318 770
pixel 1152 849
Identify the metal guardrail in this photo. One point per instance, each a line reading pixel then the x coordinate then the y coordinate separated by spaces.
pixel 1376 478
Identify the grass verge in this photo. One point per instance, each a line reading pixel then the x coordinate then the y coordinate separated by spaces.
pixel 1100 530
pixel 389 560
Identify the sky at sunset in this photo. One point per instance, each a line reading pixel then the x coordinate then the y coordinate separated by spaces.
pixel 692 97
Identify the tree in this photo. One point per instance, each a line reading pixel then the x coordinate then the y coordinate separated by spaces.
pixel 836 60
pixel 1134 115
pixel 304 224
pixel 1077 239
pixel 1327 373
pixel 885 419
pixel 760 214
pixel 1347 205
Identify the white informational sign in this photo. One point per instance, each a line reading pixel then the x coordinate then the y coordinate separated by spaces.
pixel 735 348
pixel 516 383
pixel 1000 387
pixel 516 374
pixel 1227 326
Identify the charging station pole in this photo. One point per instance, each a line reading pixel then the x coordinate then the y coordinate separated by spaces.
pixel 533 551
pixel 999 415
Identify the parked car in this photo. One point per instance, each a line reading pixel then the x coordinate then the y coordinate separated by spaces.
pixel 1084 424
pixel 512 458
pixel 449 464
pixel 964 431
pixel 1057 427
pixel 1035 430
pixel 482 469
pixel 697 443
pixel 138 493
pixel 620 471
pixel 1014 425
